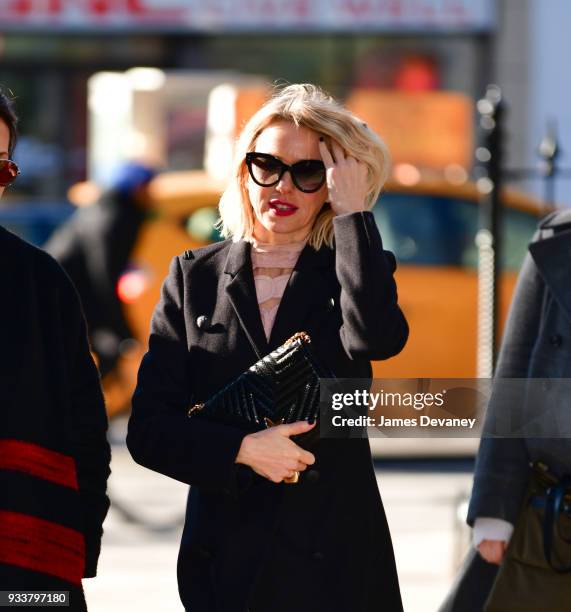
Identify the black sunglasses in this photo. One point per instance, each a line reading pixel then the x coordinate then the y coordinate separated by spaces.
pixel 8 172
pixel 308 175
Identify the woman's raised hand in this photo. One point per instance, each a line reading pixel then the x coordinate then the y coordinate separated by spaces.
pixel 346 179
pixel 492 551
pixel 271 454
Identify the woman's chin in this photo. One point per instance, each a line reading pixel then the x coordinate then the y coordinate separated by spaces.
pixel 284 229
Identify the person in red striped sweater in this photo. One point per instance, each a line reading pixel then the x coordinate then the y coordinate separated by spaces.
pixel 54 454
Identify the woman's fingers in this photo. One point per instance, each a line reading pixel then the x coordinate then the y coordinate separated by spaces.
pixel 293 429
pixel 326 154
pixel 297 466
pixel 346 179
pixel 271 454
pixel 338 152
pixel 492 551
pixel 333 155
pixel 306 457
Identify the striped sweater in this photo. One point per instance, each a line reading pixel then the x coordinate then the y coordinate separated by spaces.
pixel 54 456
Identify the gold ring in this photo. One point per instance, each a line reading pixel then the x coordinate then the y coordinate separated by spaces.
pixel 294 479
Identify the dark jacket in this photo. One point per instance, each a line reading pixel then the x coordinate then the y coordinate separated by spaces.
pixel 94 248
pixel 54 455
pixel 536 344
pixel 321 545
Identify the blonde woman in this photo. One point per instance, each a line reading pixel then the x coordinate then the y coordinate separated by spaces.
pixel 303 252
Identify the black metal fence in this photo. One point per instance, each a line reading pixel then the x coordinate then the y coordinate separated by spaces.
pixel 489 175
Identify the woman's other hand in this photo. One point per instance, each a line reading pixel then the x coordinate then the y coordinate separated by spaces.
pixel 271 454
pixel 346 179
pixel 492 551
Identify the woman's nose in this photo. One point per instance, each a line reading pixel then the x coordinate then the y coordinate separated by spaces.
pixel 285 184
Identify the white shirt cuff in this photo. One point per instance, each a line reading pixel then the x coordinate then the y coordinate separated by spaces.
pixel 487 528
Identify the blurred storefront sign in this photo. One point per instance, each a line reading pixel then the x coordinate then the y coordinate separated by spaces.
pixel 236 15
pixel 432 129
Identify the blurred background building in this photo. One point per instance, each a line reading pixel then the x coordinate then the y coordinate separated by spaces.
pixel 49 49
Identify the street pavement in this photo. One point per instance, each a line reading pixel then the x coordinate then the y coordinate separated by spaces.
pixel 137 567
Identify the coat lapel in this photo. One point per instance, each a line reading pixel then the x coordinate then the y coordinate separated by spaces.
pixel 241 292
pixel 307 285
pixel 552 257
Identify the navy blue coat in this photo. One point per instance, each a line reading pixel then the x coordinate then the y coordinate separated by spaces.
pixel 248 543
pixel 536 344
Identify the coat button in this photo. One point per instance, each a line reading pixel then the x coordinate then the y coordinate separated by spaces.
pixel 318 556
pixel 556 340
pixel 311 476
pixel 331 304
pixel 203 322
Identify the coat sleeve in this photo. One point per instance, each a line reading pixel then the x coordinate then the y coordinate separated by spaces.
pixel 502 470
pixel 89 429
pixel 374 326
pixel 161 436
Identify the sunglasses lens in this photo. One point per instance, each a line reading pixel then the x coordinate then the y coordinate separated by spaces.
pixel 8 172
pixel 309 175
pixel 265 170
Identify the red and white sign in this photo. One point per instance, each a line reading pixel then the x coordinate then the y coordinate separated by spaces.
pixel 252 15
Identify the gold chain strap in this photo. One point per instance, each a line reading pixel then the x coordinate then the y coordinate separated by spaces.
pixel 195 408
pixel 303 336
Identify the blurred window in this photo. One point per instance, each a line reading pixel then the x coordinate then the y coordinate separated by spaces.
pixel 440 231
pixel 341 62
pixel 48 76
pixel 35 222
pixel 48 72
pixel 59 49
pixel 200 224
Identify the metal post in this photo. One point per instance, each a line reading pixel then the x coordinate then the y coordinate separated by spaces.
pixel 488 172
pixel 549 151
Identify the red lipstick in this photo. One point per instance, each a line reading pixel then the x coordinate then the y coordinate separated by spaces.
pixel 281 208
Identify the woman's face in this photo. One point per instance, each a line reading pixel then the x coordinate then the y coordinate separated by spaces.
pixel 4 145
pixel 282 212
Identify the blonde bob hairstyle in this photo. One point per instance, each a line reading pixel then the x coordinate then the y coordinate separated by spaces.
pixel 308 106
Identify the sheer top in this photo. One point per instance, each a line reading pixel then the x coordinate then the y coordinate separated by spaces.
pixel 272 265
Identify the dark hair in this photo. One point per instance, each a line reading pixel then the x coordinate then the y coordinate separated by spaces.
pixel 8 115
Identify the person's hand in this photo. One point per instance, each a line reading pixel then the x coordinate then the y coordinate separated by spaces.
pixel 346 179
pixel 271 454
pixel 492 551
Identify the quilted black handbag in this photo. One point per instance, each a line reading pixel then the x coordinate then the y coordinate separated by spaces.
pixel 282 387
